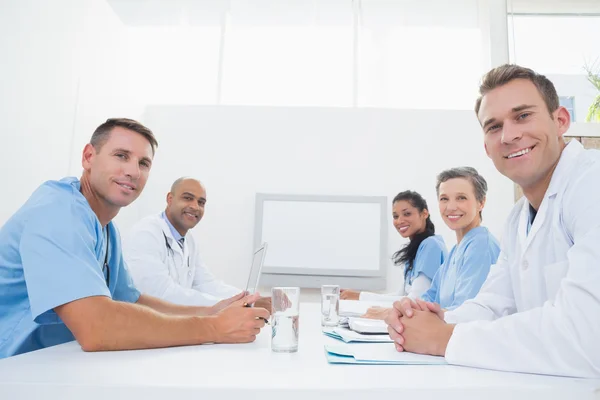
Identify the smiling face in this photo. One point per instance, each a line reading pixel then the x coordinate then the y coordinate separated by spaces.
pixel 408 221
pixel 523 139
pixel 118 170
pixel 459 207
pixel 185 205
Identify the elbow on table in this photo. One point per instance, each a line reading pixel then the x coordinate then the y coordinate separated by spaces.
pixel 91 343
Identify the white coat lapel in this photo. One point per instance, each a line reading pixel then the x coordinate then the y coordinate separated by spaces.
pixel 169 238
pixel 538 221
pixel 186 252
pixel 523 219
pixel 557 184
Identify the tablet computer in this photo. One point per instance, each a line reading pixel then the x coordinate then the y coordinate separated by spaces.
pixel 258 259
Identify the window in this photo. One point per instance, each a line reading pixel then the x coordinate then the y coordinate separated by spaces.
pixel 569 103
pixel 560 40
pixel 330 53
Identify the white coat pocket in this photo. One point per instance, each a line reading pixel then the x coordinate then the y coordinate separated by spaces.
pixel 554 274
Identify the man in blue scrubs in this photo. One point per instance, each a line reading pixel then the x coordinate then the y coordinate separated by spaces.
pixel 62 274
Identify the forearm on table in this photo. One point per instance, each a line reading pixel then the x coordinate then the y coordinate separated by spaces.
pixel 420 285
pixel 169 308
pixel 101 324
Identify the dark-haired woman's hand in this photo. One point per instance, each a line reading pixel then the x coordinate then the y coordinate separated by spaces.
pixel 347 294
pixel 377 313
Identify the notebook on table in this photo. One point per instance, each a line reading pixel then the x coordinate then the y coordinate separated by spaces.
pixel 377 353
pixel 348 336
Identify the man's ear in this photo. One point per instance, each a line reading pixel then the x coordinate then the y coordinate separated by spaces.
pixel 169 198
pixel 563 120
pixel 89 152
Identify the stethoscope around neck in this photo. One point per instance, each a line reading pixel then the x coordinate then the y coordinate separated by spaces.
pixel 171 252
pixel 105 266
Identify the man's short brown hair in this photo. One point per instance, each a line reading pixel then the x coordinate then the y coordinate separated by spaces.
pixel 100 135
pixel 505 73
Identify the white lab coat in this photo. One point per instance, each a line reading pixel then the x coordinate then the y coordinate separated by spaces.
pixel 173 275
pixel 539 309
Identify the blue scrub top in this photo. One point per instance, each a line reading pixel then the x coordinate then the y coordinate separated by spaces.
pixel 464 271
pixel 52 253
pixel 430 255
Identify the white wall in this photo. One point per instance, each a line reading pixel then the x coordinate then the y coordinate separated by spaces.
pixel 38 85
pixel 67 66
pixel 58 81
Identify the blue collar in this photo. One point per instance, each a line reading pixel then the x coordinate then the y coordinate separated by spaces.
pixel 474 232
pixel 174 232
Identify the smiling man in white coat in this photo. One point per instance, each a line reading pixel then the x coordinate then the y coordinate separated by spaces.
pixel 164 259
pixel 539 309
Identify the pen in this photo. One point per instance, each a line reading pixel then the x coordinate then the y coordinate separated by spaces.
pixel 264 319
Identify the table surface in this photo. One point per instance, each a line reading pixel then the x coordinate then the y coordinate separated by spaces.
pixel 236 371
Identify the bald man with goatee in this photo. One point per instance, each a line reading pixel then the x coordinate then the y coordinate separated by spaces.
pixel 164 259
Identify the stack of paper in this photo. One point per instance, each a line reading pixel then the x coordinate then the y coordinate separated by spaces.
pixel 377 353
pixel 349 336
pixel 366 325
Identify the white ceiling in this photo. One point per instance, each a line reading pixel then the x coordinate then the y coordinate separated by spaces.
pixel 300 12
pixel 554 6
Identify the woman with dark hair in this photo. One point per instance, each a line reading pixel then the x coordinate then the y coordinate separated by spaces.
pixel 421 257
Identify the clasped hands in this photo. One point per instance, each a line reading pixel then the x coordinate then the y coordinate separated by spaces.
pixel 418 326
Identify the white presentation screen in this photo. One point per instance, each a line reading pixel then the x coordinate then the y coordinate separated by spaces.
pixel 322 235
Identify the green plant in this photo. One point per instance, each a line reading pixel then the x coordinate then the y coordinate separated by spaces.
pixel 593 76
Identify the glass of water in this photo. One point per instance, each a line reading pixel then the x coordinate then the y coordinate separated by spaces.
pixel 285 319
pixel 330 305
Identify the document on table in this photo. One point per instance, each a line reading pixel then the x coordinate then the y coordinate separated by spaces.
pixel 376 353
pixel 349 336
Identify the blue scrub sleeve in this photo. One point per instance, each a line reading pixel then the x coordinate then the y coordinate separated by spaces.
pixel 474 268
pixel 428 259
pixel 59 260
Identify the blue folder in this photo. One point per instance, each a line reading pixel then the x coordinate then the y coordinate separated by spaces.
pixel 376 353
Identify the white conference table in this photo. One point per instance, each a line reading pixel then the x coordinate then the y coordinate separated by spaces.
pixel 252 371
